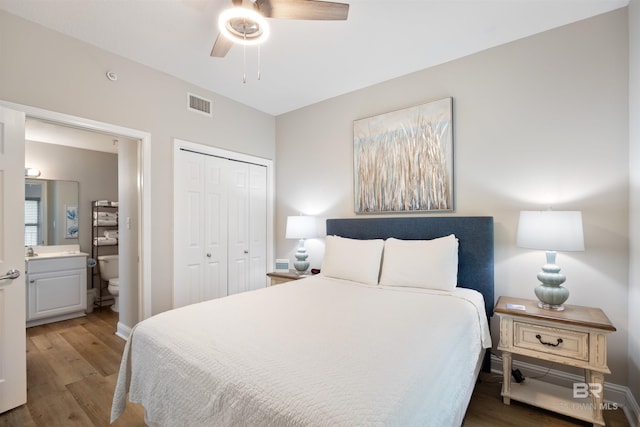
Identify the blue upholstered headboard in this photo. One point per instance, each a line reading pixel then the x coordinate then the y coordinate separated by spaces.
pixel 475 236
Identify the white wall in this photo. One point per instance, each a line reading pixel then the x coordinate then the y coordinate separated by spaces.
pixel 45 69
pixel 128 233
pixel 634 212
pixel 537 122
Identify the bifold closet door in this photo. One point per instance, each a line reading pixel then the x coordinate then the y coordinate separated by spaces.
pixel 220 227
pixel 201 229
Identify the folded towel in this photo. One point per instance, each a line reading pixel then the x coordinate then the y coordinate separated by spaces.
pixel 104 241
pixel 114 203
pixel 111 234
pixel 106 215
pixel 103 203
pixel 105 222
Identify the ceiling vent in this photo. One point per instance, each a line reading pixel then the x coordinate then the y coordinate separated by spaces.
pixel 199 105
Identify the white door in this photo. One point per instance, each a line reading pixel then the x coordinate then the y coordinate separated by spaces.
pixel 200 269
pixel 247 227
pixel 257 226
pixel 13 356
pixel 215 228
pixel 220 227
pixel 238 227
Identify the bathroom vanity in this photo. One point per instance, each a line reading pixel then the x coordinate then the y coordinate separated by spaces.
pixel 56 279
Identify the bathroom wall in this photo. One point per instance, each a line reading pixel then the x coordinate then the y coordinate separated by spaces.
pixel 95 171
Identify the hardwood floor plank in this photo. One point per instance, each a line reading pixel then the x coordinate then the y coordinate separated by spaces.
pixel 67 364
pixel 17 417
pixel 94 394
pixel 105 330
pixel 58 408
pixel 105 360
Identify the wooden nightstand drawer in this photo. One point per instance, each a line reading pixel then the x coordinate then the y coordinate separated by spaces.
pixel 561 342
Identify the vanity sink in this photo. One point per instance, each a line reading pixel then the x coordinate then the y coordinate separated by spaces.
pixel 56 279
pixel 58 251
pixel 38 255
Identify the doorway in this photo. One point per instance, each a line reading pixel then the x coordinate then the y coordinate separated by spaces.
pixel 143 148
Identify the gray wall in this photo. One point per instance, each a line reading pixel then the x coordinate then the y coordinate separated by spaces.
pixel 634 216
pixel 45 69
pixel 96 173
pixel 538 122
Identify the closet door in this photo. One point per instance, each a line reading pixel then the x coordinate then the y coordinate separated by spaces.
pixel 247 227
pixel 200 198
pixel 215 227
pixel 238 227
pixel 220 227
pixel 257 227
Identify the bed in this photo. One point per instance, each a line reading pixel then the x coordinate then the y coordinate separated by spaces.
pixel 358 344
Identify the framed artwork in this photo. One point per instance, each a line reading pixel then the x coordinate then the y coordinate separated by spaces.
pixel 71 222
pixel 403 160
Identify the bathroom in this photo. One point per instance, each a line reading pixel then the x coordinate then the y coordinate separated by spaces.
pixel 102 167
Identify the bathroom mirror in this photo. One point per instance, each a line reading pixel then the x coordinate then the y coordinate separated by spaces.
pixel 51 212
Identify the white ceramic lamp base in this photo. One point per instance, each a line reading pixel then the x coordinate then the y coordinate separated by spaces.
pixel 301 264
pixel 550 292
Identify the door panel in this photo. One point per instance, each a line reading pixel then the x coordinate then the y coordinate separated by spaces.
pixel 215 220
pixel 258 227
pixel 238 227
pixel 13 357
pixel 189 269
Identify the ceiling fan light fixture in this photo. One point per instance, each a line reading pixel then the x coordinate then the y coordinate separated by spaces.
pixel 243 26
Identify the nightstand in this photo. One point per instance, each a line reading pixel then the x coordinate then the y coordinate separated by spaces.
pixel 286 276
pixel 576 336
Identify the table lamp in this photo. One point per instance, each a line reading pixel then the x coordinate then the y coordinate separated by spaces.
pixel 301 227
pixel 551 231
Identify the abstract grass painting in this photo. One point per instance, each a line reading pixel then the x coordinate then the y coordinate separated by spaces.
pixel 403 160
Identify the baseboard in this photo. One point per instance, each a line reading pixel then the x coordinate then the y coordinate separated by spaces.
pixel 632 410
pixel 616 394
pixel 123 331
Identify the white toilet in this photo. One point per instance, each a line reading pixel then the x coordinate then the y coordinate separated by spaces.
pixel 109 273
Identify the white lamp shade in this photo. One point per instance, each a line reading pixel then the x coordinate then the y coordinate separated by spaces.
pixel 551 230
pixel 301 227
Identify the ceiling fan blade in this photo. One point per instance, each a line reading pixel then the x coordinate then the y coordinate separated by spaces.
pixel 303 9
pixel 221 46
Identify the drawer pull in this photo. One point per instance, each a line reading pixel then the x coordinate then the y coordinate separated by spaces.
pixel 549 343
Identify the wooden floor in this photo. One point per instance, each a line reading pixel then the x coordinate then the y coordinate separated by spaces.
pixel 487 410
pixel 72 368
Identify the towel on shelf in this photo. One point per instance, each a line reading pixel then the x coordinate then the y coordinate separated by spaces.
pixel 105 215
pixel 113 234
pixel 105 222
pixel 104 241
pixel 102 203
pixel 114 203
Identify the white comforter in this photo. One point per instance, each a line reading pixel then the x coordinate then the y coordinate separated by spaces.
pixel 316 351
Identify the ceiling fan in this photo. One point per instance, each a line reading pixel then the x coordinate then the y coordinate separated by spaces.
pixel 245 23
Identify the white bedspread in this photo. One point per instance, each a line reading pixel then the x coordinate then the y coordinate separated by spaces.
pixel 316 351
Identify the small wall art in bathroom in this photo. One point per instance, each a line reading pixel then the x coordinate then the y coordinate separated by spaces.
pixel 71 222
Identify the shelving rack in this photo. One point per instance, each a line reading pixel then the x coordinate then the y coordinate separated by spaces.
pixel 97 230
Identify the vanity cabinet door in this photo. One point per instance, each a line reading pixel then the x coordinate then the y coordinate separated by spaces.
pixel 56 293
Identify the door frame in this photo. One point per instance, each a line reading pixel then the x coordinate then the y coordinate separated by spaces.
pixel 180 144
pixel 144 176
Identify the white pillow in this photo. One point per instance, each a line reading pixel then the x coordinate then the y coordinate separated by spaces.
pixel 352 259
pixel 429 264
